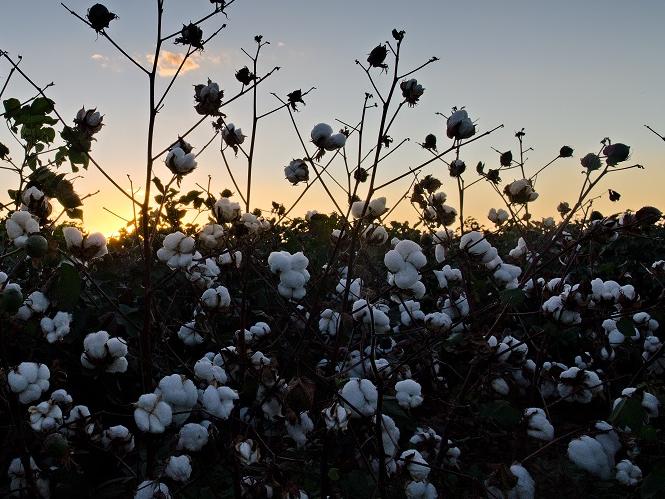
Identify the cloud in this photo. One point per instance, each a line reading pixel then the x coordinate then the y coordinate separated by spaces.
pixel 169 62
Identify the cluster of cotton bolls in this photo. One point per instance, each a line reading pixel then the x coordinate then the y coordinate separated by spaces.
pixel 292 271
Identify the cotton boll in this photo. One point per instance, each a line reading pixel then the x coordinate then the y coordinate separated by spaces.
pixel 410 311
pixel 299 428
pixel 206 370
pixel 189 334
pixel 226 211
pixel 20 226
pixel 29 380
pixel 177 250
pixel 336 417
pixel 100 351
pixel 320 133
pixel 360 397
pixel 628 474
pixel 408 393
pixel 45 416
pixel 538 426
pixel 292 273
pixel 35 303
pixel 438 322
pixel 151 489
pixel 57 328
pixel 152 415
pixel 61 397
pixel 375 208
pixel 416 465
pixel 18 481
pixel 526 487
pixel 179 468
pixel 588 454
pixel 649 402
pixel 180 393
pixel 500 386
pixel 420 490
pixel 578 385
pixel 334 142
pixel 217 298
pixel 192 437
pixel 118 439
pixel 248 452
pixel 354 288
pixel 459 126
pixel 219 401
pixel 212 236
pixel 608 439
pixel 329 322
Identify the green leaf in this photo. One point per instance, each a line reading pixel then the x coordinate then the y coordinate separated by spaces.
pixel 626 327
pixel 11 106
pixel 42 105
pixel 501 412
pixel 68 287
pixel 512 297
pixel 653 485
pixel 75 213
pixel 357 484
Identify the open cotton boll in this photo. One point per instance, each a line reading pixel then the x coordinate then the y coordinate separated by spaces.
pixel 538 426
pixel 202 273
pixel 248 452
pixel 354 288
pixel 360 397
pixel 216 298
pixel 80 421
pixel 189 335
pixel 179 162
pixel 408 393
pixel 179 468
pixel 390 439
pixel 299 428
pixel 375 208
pixel 212 236
pixel 61 397
pixel 320 134
pixel 507 274
pixel 192 437
pixel 35 303
pixel 555 307
pixel 18 481
pixel 371 316
pixel 206 370
pixel 152 415
pixel 57 328
pixel 649 402
pixel 20 226
pixel 100 351
pixel 588 454
pixel 375 234
pixel 180 393
pixel 334 142
pixel 608 439
pixel 177 250
pixel 416 465
pixel 118 438
pixel 329 322
pixel 410 311
pixel 627 473
pixel 226 210
pixel 438 322
pixel 577 385
pixel 420 490
pixel 459 126
pixel 152 489
pixel 45 416
pixel 526 487
pixel 28 381
pixel 336 417
pixel 292 273
pixel 219 401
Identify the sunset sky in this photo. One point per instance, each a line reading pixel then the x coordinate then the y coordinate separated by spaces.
pixel 569 72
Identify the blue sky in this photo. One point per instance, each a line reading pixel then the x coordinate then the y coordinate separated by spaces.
pixel 570 72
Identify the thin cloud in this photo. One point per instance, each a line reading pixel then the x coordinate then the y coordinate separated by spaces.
pixel 169 62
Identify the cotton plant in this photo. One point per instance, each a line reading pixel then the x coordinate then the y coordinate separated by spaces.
pixel 177 250
pixel 216 298
pixel 103 352
pixel 179 468
pixel 36 303
pixel 56 328
pixel 84 248
pixel 292 271
pixel 29 380
pixel 152 414
pixel 20 226
pixel 404 264
pixel 408 393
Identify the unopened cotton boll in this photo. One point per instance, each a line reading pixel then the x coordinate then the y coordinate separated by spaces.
pixel 375 208
pixel 217 298
pixel 219 401
pixel 29 380
pixel 152 415
pixel 20 226
pixel 179 468
pixel 57 328
pixel 100 351
pixel 360 396
pixel 192 437
pixel 177 250
pixel 408 393
pixel 152 489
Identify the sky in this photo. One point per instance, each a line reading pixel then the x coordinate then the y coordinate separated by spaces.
pixel 570 72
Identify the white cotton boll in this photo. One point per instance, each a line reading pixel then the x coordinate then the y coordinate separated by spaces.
pixel 628 474
pixel 118 438
pixel 180 393
pixel 212 236
pixel 538 426
pixel 36 303
pixel 61 397
pixel 18 482
pixel 354 288
pixel 206 370
pixel 217 298
pixel 102 351
pixel 179 162
pixel 408 393
pixel 500 386
pixel 57 328
pixel 259 360
pixel 410 311
pixel 73 237
pixel 438 322
pixel 152 415
pixel 578 385
pixel 334 142
pixel 29 380
pixel 179 468
pixel 248 452
pixel 219 401
pixel 189 335
pixel 375 208
pixel 292 273
pixel 336 417
pixel 79 420
pixel 375 234
pixel 390 438
pixel 177 250
pixel 526 487
pixel 416 465
pixel 520 250
pixel 649 402
pixel 320 133
pixel 360 396
pixel 329 322
pixel 151 489
pixel 45 416
pixel 420 490
pixel 506 273
pixel 192 437
pixel 498 217
pixel 588 454
pixel 20 226
pixel 299 428
pixel 226 210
